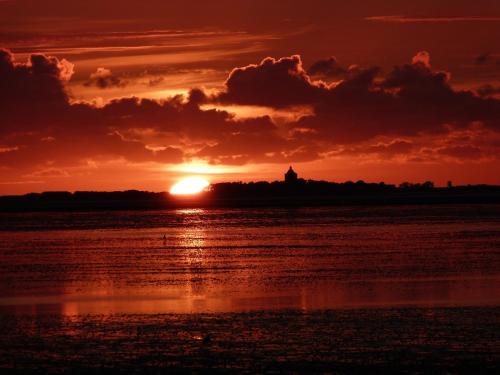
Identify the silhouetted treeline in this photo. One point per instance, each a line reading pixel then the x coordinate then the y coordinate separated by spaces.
pixel 258 194
pixel 314 188
pixel 298 188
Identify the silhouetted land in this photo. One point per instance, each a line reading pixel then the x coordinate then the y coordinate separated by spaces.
pixel 257 194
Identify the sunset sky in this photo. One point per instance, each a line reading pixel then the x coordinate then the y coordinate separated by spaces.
pixel 128 94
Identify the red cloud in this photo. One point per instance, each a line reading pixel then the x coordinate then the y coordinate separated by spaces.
pixel 103 78
pixel 328 68
pixel 80 131
pixel 273 83
pixel 42 126
pixel 411 99
pixel 30 90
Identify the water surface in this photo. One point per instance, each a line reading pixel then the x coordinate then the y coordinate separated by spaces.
pixel 313 290
pixel 242 259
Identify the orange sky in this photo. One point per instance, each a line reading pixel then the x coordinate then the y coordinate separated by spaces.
pixel 135 94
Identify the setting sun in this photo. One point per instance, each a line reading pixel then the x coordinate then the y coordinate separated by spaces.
pixel 188 186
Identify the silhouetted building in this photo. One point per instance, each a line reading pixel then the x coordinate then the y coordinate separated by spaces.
pixel 291 176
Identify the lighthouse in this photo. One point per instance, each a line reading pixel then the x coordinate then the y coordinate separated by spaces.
pixel 291 176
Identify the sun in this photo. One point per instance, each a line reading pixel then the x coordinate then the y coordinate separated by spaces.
pixel 189 186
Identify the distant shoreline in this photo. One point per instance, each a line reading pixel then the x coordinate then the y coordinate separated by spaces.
pixel 235 195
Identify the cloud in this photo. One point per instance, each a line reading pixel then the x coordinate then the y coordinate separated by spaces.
pixel 155 81
pixel 31 89
pixel 462 152
pixel 395 147
pixel 256 140
pixel 103 78
pixel 383 149
pixel 366 112
pixel 423 57
pixel 39 68
pixel 327 68
pixel 410 99
pixel 273 82
pixel 40 125
pixel 49 172
pixel 488 90
pixel 67 133
pixel 408 19
pixel 473 144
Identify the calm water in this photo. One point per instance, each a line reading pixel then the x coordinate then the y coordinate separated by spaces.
pixel 234 260
pixel 364 285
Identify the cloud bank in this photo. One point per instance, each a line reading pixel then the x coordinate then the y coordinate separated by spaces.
pixel 411 113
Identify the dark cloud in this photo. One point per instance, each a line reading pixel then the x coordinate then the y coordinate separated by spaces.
pixel 447 19
pixel 396 147
pixel 29 91
pixel 49 172
pixel 153 82
pixel 488 90
pixel 273 83
pixel 257 140
pixel 42 127
pixel 462 152
pixel 65 133
pixel 411 99
pixel 197 97
pixel 104 79
pixel 384 150
pixel 328 68
pixel 67 150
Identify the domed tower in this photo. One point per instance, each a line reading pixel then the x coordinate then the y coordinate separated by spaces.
pixel 291 176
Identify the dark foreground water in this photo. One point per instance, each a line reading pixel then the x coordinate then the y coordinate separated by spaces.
pixel 342 290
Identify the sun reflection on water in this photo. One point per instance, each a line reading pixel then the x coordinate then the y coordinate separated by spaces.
pixel 190 211
pixel 196 260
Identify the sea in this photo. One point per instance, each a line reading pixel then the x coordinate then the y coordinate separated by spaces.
pixel 385 289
